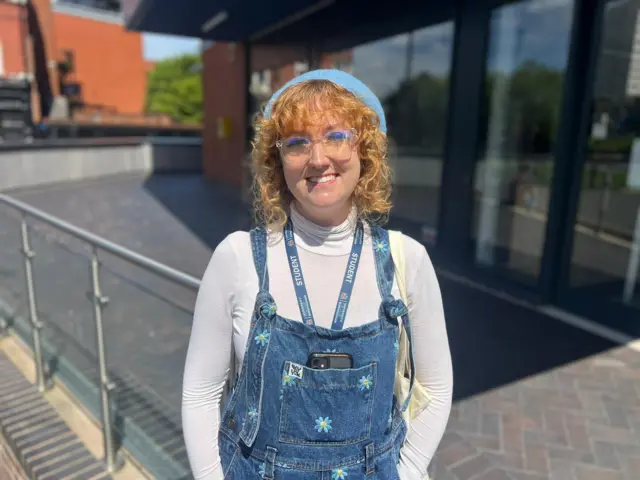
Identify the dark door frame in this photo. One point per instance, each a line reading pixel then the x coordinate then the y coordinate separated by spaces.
pixel 460 151
pixel 571 148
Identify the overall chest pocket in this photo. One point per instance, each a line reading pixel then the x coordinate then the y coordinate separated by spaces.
pixel 326 406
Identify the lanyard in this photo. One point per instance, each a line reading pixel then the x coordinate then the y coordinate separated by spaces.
pixel 347 282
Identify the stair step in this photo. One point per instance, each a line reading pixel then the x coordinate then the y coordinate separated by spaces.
pixel 42 442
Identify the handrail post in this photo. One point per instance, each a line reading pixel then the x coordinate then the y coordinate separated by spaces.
pixel 111 458
pixel 36 325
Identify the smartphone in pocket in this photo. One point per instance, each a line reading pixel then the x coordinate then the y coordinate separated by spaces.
pixel 326 360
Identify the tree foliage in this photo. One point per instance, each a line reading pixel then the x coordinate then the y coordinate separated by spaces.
pixel 417 111
pixel 174 87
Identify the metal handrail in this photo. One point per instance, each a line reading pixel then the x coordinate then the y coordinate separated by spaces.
pixel 112 458
pixel 104 244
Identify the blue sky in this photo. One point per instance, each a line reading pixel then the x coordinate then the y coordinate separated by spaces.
pixel 157 47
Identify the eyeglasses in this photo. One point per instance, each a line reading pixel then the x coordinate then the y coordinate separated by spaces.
pixel 337 145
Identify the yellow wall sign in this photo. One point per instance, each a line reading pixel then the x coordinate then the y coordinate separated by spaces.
pixel 224 127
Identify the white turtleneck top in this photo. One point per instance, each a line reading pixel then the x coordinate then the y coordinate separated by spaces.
pixel 223 314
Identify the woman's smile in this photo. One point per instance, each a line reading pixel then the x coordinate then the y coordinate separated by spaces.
pixel 323 180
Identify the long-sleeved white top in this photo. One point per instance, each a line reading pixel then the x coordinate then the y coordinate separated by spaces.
pixel 223 315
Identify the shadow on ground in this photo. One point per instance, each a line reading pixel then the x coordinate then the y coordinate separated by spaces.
pixel 209 210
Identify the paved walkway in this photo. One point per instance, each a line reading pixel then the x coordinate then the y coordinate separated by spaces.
pixel 534 398
pixel 579 421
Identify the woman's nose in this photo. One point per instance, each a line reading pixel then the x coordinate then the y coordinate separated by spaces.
pixel 318 157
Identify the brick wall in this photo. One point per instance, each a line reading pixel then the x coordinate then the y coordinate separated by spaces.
pixel 108 61
pixel 270 57
pixel 224 97
pixel 13 32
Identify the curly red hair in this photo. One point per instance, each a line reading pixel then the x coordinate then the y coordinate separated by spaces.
pixel 297 108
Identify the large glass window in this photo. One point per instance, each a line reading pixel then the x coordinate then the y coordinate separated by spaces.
pixel 526 62
pixel 410 75
pixel 606 247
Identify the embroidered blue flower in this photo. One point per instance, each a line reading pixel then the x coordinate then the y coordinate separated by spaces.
pixel 253 412
pixel 331 350
pixel 323 424
pixel 287 379
pixel 261 470
pixel 366 382
pixel 269 309
pixel 381 246
pixel 339 474
pixel 262 338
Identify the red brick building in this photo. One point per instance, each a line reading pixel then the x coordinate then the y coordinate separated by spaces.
pixel 13 33
pixel 108 62
pixel 73 47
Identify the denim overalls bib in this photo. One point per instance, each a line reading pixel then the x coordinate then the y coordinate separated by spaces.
pixel 286 421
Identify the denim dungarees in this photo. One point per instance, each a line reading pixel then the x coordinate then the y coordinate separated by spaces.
pixel 286 421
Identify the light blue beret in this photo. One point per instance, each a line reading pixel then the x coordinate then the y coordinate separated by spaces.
pixel 341 78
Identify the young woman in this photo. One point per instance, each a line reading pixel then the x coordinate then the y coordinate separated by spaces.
pixel 309 302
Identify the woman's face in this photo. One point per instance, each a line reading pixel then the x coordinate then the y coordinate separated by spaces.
pixel 322 168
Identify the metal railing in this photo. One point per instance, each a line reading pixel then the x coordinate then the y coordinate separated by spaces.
pixel 98 299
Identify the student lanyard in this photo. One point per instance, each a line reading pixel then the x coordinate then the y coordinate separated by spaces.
pixel 347 282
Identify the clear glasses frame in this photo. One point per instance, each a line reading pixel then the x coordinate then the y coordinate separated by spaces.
pixel 336 150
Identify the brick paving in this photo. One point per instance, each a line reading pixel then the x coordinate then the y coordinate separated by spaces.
pixel 534 398
pixel 577 422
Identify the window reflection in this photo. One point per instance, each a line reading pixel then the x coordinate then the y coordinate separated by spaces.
pixel 527 57
pixel 410 75
pixel 606 249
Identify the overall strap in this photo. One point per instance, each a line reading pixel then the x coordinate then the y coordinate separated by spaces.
pixel 394 308
pixel 259 250
pixel 385 270
pixel 258 342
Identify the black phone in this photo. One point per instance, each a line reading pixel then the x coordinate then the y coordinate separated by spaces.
pixel 325 360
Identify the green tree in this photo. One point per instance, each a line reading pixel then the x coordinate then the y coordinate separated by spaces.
pixel 417 110
pixel 531 108
pixel 174 87
pixel 417 113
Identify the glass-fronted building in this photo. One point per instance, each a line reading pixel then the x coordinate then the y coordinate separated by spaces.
pixel 512 125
